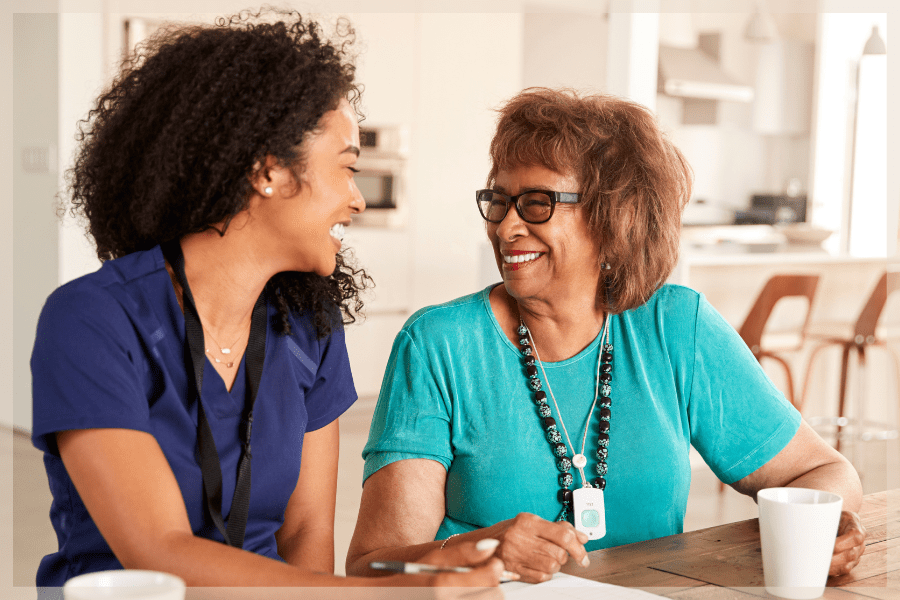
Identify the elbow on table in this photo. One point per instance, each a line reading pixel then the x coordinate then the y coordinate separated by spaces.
pixel 357 565
pixel 153 553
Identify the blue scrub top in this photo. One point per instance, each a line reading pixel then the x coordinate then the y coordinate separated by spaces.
pixel 109 353
pixel 455 391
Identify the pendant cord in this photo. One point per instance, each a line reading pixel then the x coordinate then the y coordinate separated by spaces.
pixel 603 337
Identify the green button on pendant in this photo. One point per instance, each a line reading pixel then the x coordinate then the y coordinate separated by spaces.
pixel 590 518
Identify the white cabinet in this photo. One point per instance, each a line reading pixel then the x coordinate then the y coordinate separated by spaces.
pixel 384 255
pixel 784 82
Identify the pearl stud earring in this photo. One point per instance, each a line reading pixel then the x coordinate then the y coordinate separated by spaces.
pixel 268 191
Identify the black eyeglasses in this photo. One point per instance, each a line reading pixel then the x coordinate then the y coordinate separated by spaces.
pixel 534 206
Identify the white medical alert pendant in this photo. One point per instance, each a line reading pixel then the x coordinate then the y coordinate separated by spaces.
pixel 590 515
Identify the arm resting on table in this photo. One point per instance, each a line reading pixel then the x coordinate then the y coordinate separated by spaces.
pixel 133 497
pixel 401 509
pixel 808 462
pixel 306 538
pixel 403 506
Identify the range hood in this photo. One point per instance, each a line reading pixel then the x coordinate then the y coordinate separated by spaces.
pixel 691 73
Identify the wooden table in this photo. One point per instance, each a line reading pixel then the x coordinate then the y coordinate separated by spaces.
pixel 725 562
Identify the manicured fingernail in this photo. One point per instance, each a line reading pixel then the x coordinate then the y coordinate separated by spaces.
pixel 585 562
pixel 509 576
pixel 487 544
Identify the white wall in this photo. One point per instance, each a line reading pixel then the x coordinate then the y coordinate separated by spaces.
pixel 33 198
pixel 632 53
pixel 58 73
pixel 6 228
pixel 564 50
pixel 82 75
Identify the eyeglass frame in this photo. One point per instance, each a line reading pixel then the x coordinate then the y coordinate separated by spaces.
pixel 555 197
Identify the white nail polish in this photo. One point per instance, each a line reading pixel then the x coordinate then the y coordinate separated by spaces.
pixel 486 544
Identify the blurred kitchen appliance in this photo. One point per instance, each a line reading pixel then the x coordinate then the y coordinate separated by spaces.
pixel 693 73
pixel 382 177
pixel 773 209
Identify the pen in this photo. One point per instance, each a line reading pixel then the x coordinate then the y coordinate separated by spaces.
pixel 416 568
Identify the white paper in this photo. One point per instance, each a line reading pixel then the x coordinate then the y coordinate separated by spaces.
pixel 570 587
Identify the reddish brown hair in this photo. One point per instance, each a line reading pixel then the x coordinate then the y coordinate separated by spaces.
pixel 634 181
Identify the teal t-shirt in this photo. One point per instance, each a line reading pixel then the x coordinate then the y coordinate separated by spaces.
pixel 455 391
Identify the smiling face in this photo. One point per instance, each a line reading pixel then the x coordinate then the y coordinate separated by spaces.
pixel 305 223
pixel 552 259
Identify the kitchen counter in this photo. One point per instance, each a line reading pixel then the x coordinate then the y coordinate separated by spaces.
pixel 756 244
pixel 759 251
pixel 787 255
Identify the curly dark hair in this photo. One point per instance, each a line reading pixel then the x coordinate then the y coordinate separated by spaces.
pixel 170 148
pixel 634 182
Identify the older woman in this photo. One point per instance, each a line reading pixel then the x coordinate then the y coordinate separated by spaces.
pixel 187 394
pixel 579 383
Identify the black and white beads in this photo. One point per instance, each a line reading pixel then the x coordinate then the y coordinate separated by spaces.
pixel 559 449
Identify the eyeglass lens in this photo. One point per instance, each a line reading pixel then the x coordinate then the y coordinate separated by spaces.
pixel 534 207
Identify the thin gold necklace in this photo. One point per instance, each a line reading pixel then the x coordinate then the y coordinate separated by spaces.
pixel 225 351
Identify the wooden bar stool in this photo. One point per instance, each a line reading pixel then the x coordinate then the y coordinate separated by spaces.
pixel 856 338
pixel 776 289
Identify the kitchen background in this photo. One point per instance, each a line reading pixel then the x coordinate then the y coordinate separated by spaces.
pixel 772 100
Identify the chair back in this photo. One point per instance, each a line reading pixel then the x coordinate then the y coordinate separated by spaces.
pixel 868 318
pixel 778 287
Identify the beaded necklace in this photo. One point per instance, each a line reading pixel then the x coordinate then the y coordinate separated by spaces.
pixel 602 393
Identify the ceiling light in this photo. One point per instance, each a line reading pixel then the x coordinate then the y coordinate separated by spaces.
pixel 761 27
pixel 874 45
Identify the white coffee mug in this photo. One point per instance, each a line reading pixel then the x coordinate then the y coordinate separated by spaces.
pixel 797 529
pixel 126 584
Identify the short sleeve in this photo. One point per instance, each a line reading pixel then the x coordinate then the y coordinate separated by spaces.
pixel 738 419
pixel 333 391
pixel 85 367
pixel 412 418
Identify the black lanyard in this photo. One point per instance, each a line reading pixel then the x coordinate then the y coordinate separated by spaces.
pixel 209 457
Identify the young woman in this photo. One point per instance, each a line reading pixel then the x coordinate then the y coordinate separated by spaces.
pixel 187 394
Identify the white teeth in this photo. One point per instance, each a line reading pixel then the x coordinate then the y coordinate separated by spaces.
pixel 520 258
pixel 337 231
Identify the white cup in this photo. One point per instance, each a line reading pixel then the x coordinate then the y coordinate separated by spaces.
pixel 797 529
pixel 126 584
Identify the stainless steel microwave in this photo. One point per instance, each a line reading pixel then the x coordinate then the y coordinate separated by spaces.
pixel 382 178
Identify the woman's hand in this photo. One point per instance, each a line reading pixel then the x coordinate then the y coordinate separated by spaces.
pixel 486 568
pixel 849 545
pixel 478 584
pixel 535 548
